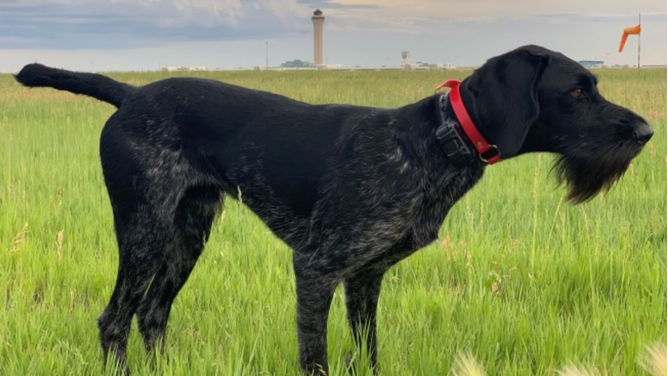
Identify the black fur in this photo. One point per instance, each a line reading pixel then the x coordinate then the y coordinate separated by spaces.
pixel 353 190
pixel 94 85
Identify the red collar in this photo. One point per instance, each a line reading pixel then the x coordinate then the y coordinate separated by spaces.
pixel 479 142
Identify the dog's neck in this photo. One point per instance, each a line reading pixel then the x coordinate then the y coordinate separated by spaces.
pixel 459 135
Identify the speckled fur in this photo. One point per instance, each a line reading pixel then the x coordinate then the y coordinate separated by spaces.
pixel 352 190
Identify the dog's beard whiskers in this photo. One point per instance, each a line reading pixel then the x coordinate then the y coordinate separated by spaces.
pixel 587 175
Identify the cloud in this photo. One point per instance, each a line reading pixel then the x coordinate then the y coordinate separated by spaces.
pixel 332 4
pixel 85 24
pixel 358 32
pixel 422 16
pixel 493 9
pixel 81 24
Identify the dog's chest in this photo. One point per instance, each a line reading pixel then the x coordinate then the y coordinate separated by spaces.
pixel 439 198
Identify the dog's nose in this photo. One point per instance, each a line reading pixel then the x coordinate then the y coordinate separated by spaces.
pixel 642 133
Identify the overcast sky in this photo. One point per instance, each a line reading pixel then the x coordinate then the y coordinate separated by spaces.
pixel 103 35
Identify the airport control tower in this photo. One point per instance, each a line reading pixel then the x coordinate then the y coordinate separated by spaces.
pixel 318 22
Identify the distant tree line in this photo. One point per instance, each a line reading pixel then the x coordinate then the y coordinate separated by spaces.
pixel 297 64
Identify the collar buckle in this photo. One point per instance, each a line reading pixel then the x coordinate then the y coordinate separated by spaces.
pixel 454 143
pixel 494 155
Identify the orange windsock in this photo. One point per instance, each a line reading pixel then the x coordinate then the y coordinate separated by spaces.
pixel 633 30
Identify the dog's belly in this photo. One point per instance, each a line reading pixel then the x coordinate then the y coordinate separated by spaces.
pixel 271 177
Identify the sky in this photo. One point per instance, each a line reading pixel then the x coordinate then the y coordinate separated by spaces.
pixel 122 35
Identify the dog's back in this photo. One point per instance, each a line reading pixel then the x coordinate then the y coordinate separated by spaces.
pixel 275 150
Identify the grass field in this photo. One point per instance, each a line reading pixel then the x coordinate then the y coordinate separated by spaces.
pixel 520 280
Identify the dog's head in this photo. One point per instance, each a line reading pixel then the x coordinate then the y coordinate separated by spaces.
pixel 536 100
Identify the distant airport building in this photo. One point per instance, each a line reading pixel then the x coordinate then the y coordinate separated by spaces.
pixel 318 22
pixel 405 59
pixel 591 63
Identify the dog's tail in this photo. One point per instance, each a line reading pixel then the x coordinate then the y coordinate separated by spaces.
pixel 91 84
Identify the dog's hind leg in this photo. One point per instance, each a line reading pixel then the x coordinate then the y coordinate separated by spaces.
pixel 145 182
pixel 142 235
pixel 192 225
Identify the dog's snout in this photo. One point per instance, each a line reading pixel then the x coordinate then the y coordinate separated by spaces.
pixel 642 133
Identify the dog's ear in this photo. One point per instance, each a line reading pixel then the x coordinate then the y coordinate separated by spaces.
pixel 503 96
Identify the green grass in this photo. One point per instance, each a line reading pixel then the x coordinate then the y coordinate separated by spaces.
pixel 519 279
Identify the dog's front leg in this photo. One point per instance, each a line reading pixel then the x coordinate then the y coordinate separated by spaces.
pixel 362 292
pixel 315 290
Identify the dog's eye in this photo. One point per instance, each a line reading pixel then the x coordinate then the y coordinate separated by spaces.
pixel 577 93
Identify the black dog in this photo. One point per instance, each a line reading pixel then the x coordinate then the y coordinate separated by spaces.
pixel 353 190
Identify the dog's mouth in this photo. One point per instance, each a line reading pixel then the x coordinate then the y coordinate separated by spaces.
pixel 586 176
